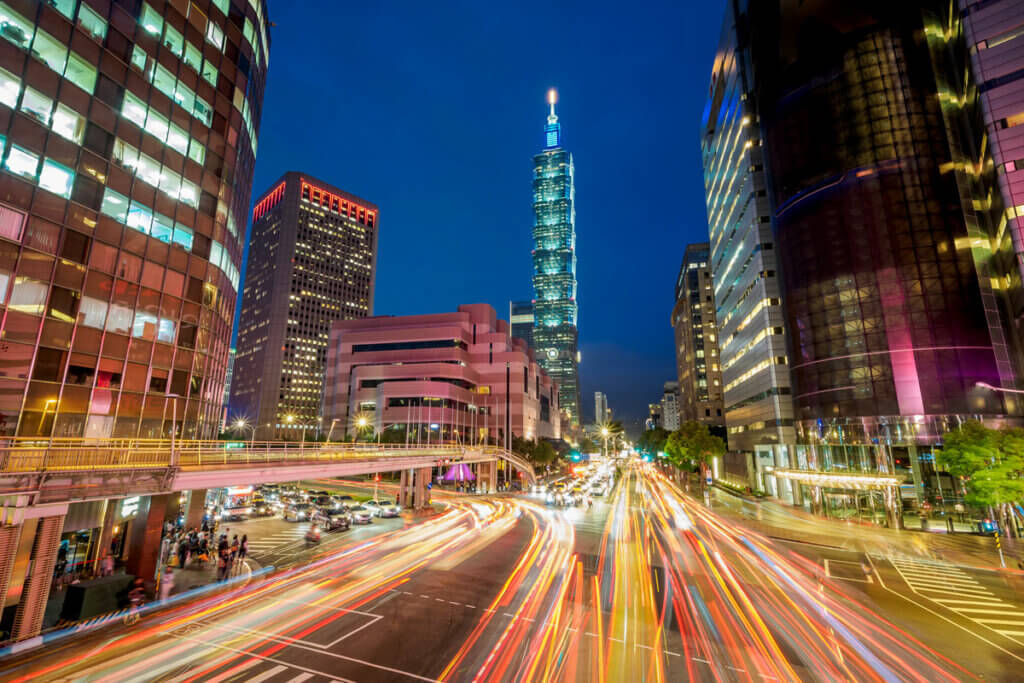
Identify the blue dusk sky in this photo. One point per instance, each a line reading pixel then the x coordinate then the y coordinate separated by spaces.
pixel 433 111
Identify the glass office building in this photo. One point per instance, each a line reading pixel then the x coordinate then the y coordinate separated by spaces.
pixel 555 335
pixel 128 138
pixel 312 261
pixel 520 317
pixel 895 278
pixel 751 335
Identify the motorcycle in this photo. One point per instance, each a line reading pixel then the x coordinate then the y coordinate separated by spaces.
pixel 312 536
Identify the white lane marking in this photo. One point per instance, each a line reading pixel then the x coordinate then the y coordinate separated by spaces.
pixel 1011 622
pixel 300 678
pixel 269 673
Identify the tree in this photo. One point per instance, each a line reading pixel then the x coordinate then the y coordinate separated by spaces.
pixel 692 446
pixel 653 440
pixel 544 453
pixel 989 465
pixel 587 445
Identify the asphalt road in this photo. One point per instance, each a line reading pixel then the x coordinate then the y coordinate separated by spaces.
pixel 647 585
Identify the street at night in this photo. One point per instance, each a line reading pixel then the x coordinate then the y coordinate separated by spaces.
pixel 647 585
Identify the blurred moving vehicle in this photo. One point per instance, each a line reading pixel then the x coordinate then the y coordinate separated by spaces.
pixel 382 508
pixel 332 519
pixel 297 512
pixel 360 514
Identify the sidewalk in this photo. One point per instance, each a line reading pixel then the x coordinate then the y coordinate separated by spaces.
pixel 184 580
pixel 784 522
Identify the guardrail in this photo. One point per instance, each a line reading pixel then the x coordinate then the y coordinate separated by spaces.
pixel 26 455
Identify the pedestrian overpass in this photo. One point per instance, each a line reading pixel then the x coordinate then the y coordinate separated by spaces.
pixel 43 482
pixel 70 470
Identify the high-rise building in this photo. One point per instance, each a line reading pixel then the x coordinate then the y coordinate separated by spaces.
pixel 520 316
pixel 895 278
pixel 748 306
pixel 128 140
pixel 670 406
pixel 601 411
pixel 654 417
pixel 995 45
pixel 696 334
pixel 446 377
pixel 555 334
pixel 312 261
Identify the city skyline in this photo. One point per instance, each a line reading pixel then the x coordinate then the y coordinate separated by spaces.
pixel 471 147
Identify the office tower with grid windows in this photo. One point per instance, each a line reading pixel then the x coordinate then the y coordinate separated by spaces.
pixel 555 310
pixel 696 335
pixel 520 317
pixel 601 412
pixel 748 308
pixel 312 261
pixel 128 139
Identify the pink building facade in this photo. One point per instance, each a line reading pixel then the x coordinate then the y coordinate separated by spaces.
pixel 448 377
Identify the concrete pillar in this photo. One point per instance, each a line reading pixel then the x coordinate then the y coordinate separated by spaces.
pixel 101 547
pixel 403 489
pixel 28 620
pixel 144 539
pixel 196 508
pixel 424 476
pixel 419 489
pixel 798 494
pixel 10 534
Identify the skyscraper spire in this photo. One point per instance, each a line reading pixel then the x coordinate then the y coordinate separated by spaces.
pixel 555 336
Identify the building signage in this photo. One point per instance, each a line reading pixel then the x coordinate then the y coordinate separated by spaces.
pixel 129 506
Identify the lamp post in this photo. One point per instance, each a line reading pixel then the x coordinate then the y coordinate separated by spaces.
pixel 331 430
pixel 241 424
pixel 604 436
pixel 361 423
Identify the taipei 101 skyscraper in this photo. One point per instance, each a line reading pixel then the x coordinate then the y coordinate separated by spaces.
pixel 555 334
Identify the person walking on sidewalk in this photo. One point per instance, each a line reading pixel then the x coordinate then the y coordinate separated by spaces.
pixel 234 550
pixel 243 547
pixel 182 551
pixel 166 583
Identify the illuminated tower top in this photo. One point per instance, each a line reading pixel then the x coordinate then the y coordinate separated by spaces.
pixel 552 131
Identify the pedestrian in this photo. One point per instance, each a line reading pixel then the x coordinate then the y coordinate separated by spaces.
pixel 222 565
pixel 243 548
pixel 182 552
pixel 136 595
pixel 234 550
pixel 166 583
pixel 107 565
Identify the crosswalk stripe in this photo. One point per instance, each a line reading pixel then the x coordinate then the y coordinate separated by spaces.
pixel 978 601
pixel 959 591
pixel 1009 622
pixel 269 673
pixel 1012 612
pixel 1010 633
pixel 933 577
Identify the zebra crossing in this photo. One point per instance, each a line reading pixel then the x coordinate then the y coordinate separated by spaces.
pixel 958 591
pixel 276 540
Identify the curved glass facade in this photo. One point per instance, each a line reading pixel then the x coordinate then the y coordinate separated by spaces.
pixel 128 135
pixel 893 310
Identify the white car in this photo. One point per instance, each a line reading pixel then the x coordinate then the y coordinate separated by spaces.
pixel 382 508
pixel 360 514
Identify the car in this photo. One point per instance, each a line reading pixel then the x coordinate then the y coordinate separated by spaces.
pixel 344 498
pixel 322 501
pixel 298 512
pixel 332 519
pixel 360 514
pixel 382 508
pixel 262 507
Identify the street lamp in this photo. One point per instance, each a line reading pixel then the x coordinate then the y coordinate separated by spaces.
pixel 241 424
pixel 331 430
pixel 604 435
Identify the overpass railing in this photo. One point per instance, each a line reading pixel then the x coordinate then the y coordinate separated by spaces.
pixel 20 455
